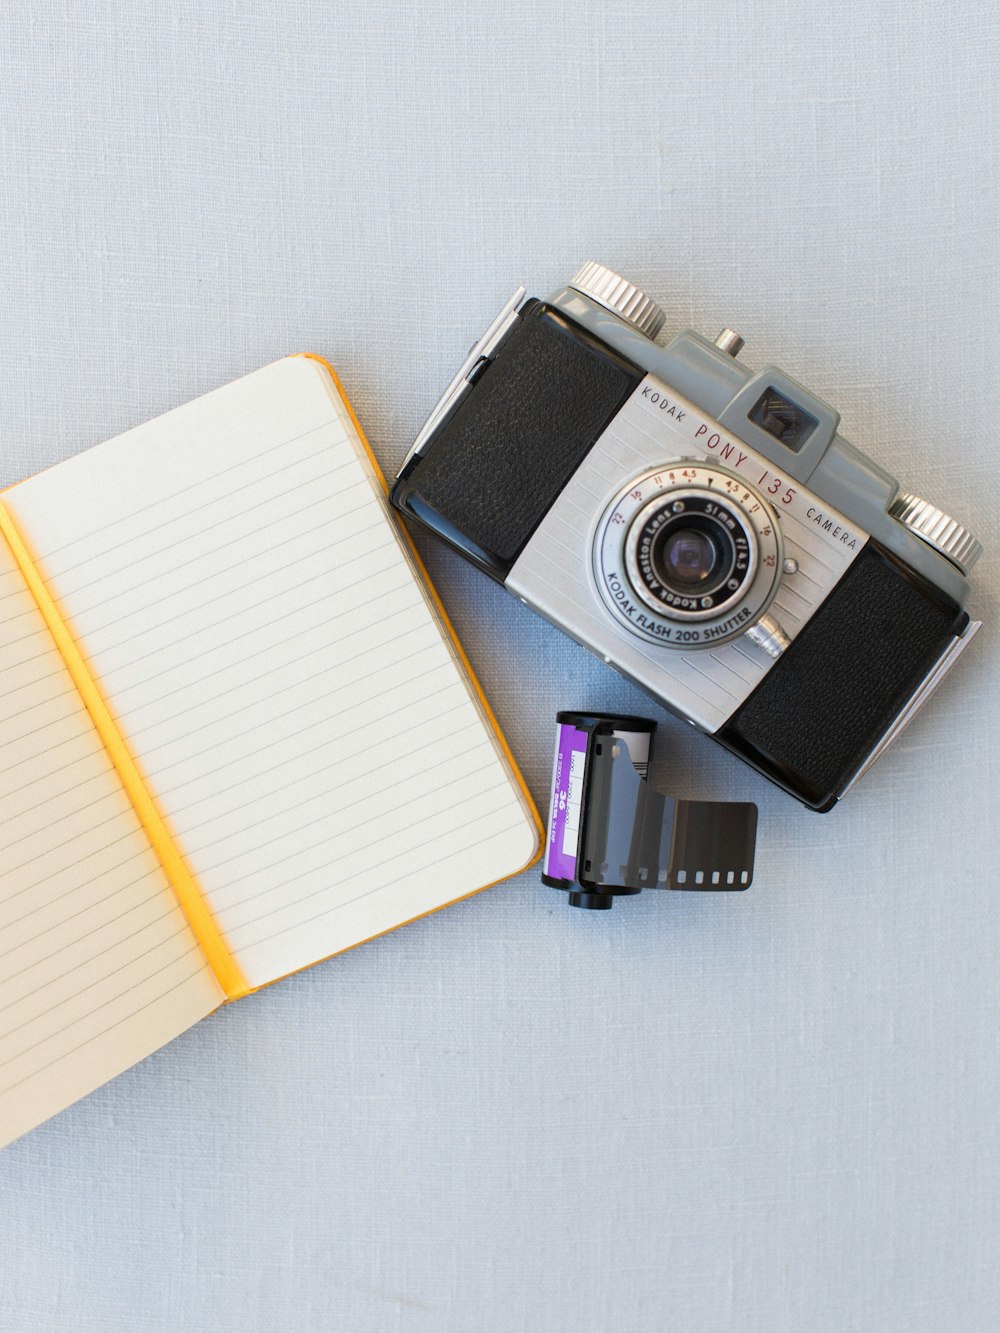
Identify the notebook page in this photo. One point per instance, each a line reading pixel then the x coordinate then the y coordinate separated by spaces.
pixel 235 581
pixel 97 965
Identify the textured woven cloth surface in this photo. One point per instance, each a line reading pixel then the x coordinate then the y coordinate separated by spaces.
pixel 767 1113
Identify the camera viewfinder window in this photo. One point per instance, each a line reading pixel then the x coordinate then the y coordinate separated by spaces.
pixel 780 417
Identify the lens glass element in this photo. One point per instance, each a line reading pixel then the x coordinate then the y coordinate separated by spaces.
pixel 687 557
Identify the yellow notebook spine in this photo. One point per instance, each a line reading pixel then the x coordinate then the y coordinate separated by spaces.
pixel 206 931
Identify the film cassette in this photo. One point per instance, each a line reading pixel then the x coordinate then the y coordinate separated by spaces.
pixel 613 834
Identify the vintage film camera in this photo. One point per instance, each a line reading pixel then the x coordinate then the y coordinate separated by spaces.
pixel 701 527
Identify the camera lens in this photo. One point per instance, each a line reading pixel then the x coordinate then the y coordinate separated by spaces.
pixel 690 554
pixel 686 557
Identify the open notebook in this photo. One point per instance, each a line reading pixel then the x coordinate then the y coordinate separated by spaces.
pixel 298 757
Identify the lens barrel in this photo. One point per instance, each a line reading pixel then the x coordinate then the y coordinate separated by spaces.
pixel 687 555
pixel 690 554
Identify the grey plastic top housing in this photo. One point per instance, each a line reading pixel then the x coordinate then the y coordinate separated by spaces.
pixel 831 467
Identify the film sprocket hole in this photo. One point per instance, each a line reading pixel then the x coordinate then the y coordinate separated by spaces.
pixel 700 527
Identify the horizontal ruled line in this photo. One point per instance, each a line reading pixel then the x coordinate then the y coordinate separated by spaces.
pixel 188 538
pixel 256 680
pixel 285 736
pixel 235 928
pixel 133 1013
pixel 105 976
pixel 91 903
pixel 299 828
pixel 202 555
pixel 157 626
pixel 105 796
pixel 184 490
pixel 347 902
pixel 228 643
pixel 170 910
pixel 296 759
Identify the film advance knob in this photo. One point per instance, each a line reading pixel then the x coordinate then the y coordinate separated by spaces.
pixel 937 529
pixel 620 296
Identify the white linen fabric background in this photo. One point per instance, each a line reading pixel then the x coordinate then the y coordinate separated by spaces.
pixel 771 1112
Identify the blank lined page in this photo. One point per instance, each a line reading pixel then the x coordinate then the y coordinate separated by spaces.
pixel 239 588
pixel 98 967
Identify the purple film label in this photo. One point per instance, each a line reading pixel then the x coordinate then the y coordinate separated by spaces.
pixel 567 795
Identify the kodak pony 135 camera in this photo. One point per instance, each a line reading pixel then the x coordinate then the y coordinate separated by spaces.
pixel 701 527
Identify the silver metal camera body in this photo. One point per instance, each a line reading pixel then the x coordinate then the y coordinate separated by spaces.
pixel 710 518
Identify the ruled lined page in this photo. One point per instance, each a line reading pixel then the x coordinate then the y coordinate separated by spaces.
pixel 238 587
pixel 98 967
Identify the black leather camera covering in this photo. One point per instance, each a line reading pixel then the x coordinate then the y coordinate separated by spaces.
pixel 500 461
pixel 833 693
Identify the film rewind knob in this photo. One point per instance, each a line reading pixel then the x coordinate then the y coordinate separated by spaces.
pixel 620 296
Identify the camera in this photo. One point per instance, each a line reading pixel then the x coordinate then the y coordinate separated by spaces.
pixel 701 527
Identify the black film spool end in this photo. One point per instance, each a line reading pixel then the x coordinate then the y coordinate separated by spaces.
pixel 594 902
